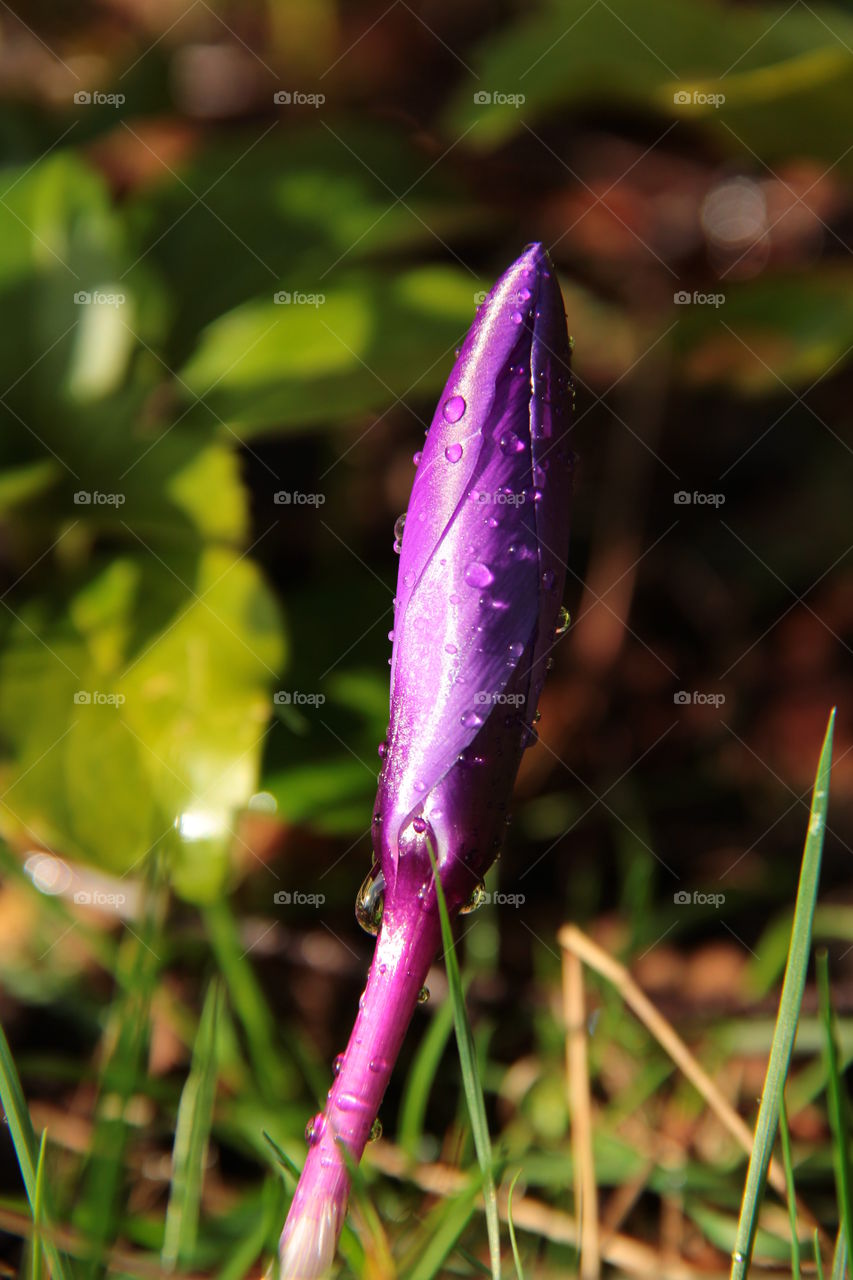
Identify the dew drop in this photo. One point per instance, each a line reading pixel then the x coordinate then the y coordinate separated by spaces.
pixel 563 621
pixel 351 1102
pixel 471 719
pixel 524 294
pixel 391 635
pixel 416 457
pixel 419 825
pixel 409 579
pixel 381 749
pixel 399 526
pixel 337 1065
pixel 454 598
pixel 370 902
pixel 375 1129
pixel 492 522
pixel 475 899
pixel 450 648
pixel 516 650
pixel 423 995
pixel 453 452
pixel 314 1129
pixel 478 574
pixel 516 317
pixel 511 443
pixel 454 408
pixel 548 579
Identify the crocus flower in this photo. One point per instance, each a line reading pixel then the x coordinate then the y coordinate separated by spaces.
pixel 478 605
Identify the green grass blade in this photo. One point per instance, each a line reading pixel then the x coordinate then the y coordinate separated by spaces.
pixel 519 1270
pixel 24 1141
pixel 442 1235
pixel 282 1157
pixel 36 1254
pixel 817 1258
pixel 838 1107
pixel 192 1131
pixel 273 1075
pixel 839 1259
pixel 789 1180
pixel 470 1078
pixel 788 1015
pixel 419 1081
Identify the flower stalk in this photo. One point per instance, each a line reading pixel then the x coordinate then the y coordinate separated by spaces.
pixel 477 611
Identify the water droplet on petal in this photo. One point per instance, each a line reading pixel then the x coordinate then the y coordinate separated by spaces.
pixel 409 579
pixel 471 719
pixel 423 995
pixel 399 526
pixel 524 294
pixel 338 1064
pixel 420 786
pixel 370 902
pixel 511 443
pixel 419 825
pixel 517 649
pixel 416 458
pixel 454 409
pixel 453 452
pixel 516 317
pixel 563 620
pixel 450 648
pixel 478 574
pixel 548 579
pixel 314 1129
pixel 381 749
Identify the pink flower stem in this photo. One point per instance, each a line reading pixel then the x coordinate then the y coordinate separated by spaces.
pixel 405 949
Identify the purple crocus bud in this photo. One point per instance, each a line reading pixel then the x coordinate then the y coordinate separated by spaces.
pixel 478 607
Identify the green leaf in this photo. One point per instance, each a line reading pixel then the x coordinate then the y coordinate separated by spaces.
pixel 791 1189
pixel 263 367
pixel 519 1270
pixel 788 1015
pixel 470 1077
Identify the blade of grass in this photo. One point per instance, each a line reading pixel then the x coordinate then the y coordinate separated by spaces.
pixel 519 1270
pixel 24 1141
pixel 817 1258
pixel 192 1131
pixel 283 1158
pixel 839 1118
pixel 98 1211
pixel 38 1213
pixel 470 1078
pixel 839 1258
pixel 376 1247
pixel 441 1231
pixel 788 1015
pixel 789 1178
pixel 420 1078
